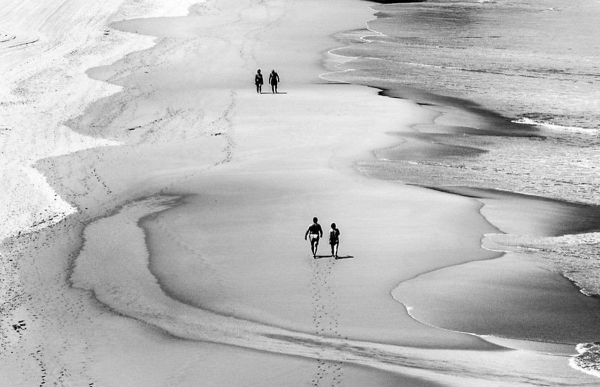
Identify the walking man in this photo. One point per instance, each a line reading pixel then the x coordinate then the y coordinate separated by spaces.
pixel 314 232
pixel 258 81
pixel 273 81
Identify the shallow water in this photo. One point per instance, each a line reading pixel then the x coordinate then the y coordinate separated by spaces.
pixel 515 84
pixel 528 62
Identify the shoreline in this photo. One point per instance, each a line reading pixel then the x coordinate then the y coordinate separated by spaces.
pixel 568 223
pixel 571 215
pixel 461 117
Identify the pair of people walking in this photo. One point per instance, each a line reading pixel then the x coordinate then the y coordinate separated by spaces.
pixel 315 232
pixel 273 81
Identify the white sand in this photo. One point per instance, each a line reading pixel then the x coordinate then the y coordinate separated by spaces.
pixel 192 268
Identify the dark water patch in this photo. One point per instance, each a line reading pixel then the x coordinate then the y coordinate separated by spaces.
pixel 484 120
pixel 508 297
pixel 563 217
pixel 418 147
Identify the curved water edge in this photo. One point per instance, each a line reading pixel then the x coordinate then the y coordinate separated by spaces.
pixel 562 254
pixel 113 266
pixel 582 357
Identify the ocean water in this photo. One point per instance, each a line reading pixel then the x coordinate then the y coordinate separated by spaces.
pixel 531 59
pixel 516 87
pixel 536 63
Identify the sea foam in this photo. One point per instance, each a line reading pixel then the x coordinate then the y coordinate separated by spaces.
pixel 588 359
pixel 576 257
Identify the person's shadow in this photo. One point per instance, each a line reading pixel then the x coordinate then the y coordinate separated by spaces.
pixel 331 256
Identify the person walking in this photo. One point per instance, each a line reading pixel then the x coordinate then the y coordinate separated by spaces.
pixel 258 81
pixel 314 232
pixel 273 81
pixel 334 240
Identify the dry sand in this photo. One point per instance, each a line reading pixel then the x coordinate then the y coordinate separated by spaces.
pixel 179 259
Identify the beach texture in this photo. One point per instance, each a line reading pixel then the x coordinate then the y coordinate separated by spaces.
pixel 156 206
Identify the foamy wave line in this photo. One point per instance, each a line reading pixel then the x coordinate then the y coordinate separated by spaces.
pixel 557 128
pixel 575 257
pixel 588 360
pixel 374 33
pixel 341 59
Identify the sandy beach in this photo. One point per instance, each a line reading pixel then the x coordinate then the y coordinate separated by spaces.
pixel 158 204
